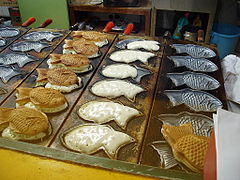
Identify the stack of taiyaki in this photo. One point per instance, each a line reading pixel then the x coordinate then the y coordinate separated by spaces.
pixel 187 147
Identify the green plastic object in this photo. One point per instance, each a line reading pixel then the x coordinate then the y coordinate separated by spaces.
pixel 183 21
pixel 57 10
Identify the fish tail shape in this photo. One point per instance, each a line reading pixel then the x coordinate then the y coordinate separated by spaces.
pixel 180 48
pixel 177 79
pixel 25 61
pixel 39 49
pixel 178 60
pixel 9 76
pixel 141 72
pixel 174 96
pixel 112 146
pixel 167 159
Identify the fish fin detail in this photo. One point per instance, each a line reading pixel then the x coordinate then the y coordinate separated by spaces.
pixel 167 159
pixel 39 49
pixel 174 97
pixel 177 79
pixel 9 76
pixel 27 60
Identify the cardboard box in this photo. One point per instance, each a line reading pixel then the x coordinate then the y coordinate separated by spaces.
pixel 8 3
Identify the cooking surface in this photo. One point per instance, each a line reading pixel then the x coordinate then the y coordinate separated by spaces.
pixel 144 129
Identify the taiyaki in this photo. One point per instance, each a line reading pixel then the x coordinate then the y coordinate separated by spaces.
pixel 4 117
pixel 2 42
pixel 202 125
pixel 123 43
pixel 83 47
pixel 76 62
pixel 128 56
pixel 116 88
pixel 187 147
pixel 122 71
pixel 193 80
pixel 43 99
pixel 148 45
pixel 7 72
pixel 98 38
pixel 195 100
pixel 60 79
pixel 90 138
pixel 18 58
pixel 24 46
pixel 194 64
pixel 9 32
pixel 164 151
pixel 27 124
pixel 194 50
pixel 104 111
pixel 42 35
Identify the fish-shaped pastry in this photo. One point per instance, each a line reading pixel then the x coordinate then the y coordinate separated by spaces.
pixel 116 88
pixel 187 148
pixel 101 112
pixel 98 38
pixel 164 151
pixel 90 138
pixel 18 58
pixel 7 72
pixel 193 80
pixel 194 64
pixel 202 125
pixel 128 56
pixel 78 63
pixel 122 71
pixel 148 45
pixel 60 79
pixel 42 35
pixel 24 46
pixel 194 50
pixel 123 43
pixel 2 42
pixel 195 100
pixel 81 46
pixel 9 32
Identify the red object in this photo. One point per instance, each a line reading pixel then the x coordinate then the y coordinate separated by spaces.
pixel 46 23
pixel 210 172
pixel 128 29
pixel 28 22
pixel 109 26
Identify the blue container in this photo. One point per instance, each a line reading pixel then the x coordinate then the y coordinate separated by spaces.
pixel 225 36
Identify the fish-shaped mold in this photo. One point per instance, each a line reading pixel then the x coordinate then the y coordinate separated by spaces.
pixel 128 56
pixel 42 35
pixel 7 72
pixel 24 46
pixel 202 125
pixel 90 138
pixel 194 64
pixel 123 43
pixel 101 112
pixel 9 32
pixel 194 50
pixel 164 151
pixel 195 100
pixel 122 71
pixel 193 80
pixel 148 45
pixel 2 42
pixel 116 88
pixel 12 58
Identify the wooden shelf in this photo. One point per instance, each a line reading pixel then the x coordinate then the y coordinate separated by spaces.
pixel 144 10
